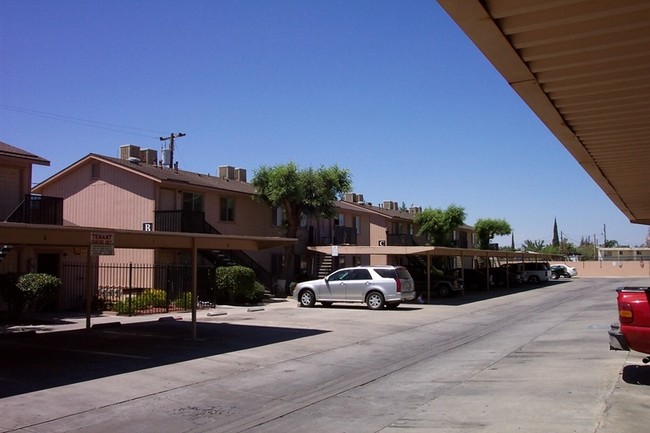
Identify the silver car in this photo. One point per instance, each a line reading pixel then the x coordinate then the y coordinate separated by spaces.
pixel 377 286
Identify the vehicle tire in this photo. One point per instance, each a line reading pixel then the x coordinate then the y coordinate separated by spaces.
pixel 533 279
pixel 443 290
pixel 554 276
pixel 392 305
pixel 375 300
pixel 307 298
pixel 326 304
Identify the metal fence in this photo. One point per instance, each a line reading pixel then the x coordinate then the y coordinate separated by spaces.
pixel 131 289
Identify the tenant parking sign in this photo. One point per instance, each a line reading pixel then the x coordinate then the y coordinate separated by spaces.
pixel 102 244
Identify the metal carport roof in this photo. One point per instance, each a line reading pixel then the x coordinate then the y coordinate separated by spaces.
pixel 583 67
pixel 73 236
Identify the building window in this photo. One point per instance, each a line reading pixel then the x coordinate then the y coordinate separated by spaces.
pixel 339 220
pixel 227 209
pixel 193 202
pixel 357 223
pixel 278 216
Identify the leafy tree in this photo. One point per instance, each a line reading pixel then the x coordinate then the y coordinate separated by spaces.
pixel 438 224
pixel 587 250
pixel 534 246
pixel 611 244
pixel 306 192
pixel 487 228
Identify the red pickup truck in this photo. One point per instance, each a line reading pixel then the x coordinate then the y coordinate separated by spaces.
pixel 633 331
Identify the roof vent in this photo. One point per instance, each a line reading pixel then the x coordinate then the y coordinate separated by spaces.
pixel 134 160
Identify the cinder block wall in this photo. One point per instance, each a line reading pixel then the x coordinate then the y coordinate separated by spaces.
pixel 612 269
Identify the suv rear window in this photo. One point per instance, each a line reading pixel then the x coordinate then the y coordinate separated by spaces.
pixel 385 273
pixel 403 273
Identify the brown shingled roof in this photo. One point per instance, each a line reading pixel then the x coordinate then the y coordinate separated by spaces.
pixel 10 151
pixel 181 176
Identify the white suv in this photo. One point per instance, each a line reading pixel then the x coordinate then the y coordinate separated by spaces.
pixel 533 272
pixel 377 286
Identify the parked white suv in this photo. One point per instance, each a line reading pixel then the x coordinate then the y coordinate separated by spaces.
pixel 377 286
pixel 533 272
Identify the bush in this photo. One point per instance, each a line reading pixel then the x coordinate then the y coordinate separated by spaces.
pixel 184 301
pixel 155 298
pixel 152 298
pixel 124 308
pixel 38 290
pixel 237 285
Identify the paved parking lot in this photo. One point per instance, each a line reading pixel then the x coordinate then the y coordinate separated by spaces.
pixel 280 367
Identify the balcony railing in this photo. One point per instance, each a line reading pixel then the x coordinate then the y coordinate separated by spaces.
pixel 183 221
pixel 38 209
pixel 340 235
pixel 413 240
pixel 401 240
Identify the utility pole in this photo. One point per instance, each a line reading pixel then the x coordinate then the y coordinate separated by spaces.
pixel 171 138
pixel 604 235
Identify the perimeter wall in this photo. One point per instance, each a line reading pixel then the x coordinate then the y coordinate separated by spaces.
pixel 604 268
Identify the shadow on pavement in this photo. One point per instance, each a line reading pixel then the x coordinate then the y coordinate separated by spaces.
pixel 33 362
pixel 637 374
pixel 481 295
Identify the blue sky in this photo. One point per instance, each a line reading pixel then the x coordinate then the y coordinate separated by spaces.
pixel 392 91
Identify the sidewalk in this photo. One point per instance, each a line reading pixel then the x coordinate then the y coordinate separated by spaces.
pixel 69 321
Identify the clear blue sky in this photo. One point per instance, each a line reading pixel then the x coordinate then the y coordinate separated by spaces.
pixel 392 91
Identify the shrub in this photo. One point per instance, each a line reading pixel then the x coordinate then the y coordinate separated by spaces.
pixel 38 290
pixel 184 301
pixel 152 298
pixel 237 285
pixel 124 308
pixel 156 298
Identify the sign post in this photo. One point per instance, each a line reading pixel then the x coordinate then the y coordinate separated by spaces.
pixel 101 244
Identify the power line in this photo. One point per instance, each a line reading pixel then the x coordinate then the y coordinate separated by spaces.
pixel 85 122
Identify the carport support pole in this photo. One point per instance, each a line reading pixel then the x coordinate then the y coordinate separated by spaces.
pixel 89 290
pixel 428 278
pixel 194 284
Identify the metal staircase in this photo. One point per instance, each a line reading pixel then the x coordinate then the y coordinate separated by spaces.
pixel 194 222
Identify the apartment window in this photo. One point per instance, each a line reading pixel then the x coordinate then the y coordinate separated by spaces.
pixel 357 223
pixel 227 205
pixel 193 202
pixel 339 220
pixel 278 216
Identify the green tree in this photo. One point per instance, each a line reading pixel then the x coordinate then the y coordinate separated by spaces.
pixel 299 192
pixel 438 224
pixel 487 228
pixel 534 246
pixel 587 250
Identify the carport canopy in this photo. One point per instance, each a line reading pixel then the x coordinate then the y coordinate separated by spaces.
pixel 74 236
pixel 430 251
